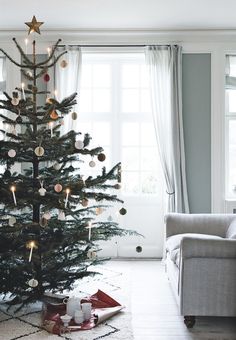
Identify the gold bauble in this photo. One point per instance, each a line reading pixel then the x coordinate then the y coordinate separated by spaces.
pixel 84 202
pixel 74 115
pixel 101 157
pixel 33 283
pixel 39 151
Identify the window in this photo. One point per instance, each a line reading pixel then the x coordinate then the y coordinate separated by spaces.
pixel 230 124
pixel 114 107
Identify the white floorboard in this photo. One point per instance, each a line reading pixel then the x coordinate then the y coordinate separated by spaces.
pixel 154 311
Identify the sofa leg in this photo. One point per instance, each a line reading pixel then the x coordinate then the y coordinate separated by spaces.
pixel 189 321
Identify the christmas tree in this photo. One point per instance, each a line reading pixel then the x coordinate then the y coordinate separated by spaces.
pixel 48 210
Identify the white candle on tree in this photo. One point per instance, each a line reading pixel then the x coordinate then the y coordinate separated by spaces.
pixel 31 247
pixel 26 45
pixel 23 90
pixel 67 196
pixel 13 189
pixel 51 126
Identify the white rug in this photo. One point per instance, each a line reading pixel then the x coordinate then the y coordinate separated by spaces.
pixel 25 324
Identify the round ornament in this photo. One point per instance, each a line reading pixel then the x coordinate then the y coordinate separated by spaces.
pixel 43 222
pixel 63 63
pixel 39 151
pixel 33 283
pixel 85 202
pixel 101 157
pixel 47 215
pixel 74 115
pixel 92 164
pixel 122 211
pixel 117 186
pixel 18 119
pixel 57 166
pixel 91 254
pixel 42 191
pixel 46 77
pixel 11 153
pixel 79 144
pixel 61 216
pixel 99 211
pixel 58 187
pixel 54 114
pixel 11 221
pixel 15 101
pixel 49 100
pixel 7 174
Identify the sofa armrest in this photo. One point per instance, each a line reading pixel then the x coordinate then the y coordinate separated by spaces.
pixel 212 224
pixel 222 248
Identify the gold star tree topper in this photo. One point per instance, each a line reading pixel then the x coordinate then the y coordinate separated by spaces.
pixel 34 25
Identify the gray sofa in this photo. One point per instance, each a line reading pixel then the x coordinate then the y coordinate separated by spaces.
pixel 201 264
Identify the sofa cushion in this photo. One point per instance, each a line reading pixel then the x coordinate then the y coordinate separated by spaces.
pixel 231 232
pixel 173 244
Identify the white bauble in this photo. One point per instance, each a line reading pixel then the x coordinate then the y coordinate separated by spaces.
pixel 79 144
pixel 15 101
pixel 57 166
pixel 12 153
pixel 42 191
pixel 33 283
pixel 92 164
pixel 47 215
pixel 11 221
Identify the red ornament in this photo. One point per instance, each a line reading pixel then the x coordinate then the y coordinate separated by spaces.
pixel 46 77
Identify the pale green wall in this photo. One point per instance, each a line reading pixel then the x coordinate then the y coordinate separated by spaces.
pixel 197 129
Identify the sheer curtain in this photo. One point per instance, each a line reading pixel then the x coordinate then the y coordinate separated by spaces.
pixel 67 79
pixel 164 63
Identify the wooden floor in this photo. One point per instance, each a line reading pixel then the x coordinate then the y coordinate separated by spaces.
pixel 154 311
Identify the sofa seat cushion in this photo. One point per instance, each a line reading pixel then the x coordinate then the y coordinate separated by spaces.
pixel 231 232
pixel 173 244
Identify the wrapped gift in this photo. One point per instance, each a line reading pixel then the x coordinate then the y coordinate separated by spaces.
pixel 103 308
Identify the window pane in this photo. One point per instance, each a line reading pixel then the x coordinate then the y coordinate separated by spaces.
pixel 130 100
pixel 149 159
pixel 101 75
pixel 232 155
pixel 148 134
pixel 101 100
pixel 130 158
pixel 85 100
pixel 86 79
pixel 130 75
pixel 130 182
pixel 149 183
pixel 232 100
pixel 144 76
pixel 145 101
pixel 130 134
pixel 101 133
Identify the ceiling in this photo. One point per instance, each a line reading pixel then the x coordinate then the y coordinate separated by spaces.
pixel 120 14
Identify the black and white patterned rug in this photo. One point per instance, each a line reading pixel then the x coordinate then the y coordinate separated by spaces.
pixel 26 324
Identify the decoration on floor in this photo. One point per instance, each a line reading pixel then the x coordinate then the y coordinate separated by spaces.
pixel 39 206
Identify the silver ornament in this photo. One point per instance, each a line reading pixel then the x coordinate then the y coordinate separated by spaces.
pixel 57 166
pixel 15 101
pixel 91 254
pixel 92 164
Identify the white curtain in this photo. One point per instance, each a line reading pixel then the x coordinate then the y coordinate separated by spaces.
pixel 165 70
pixel 67 80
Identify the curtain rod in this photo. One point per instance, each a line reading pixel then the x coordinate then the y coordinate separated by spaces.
pixel 79 45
